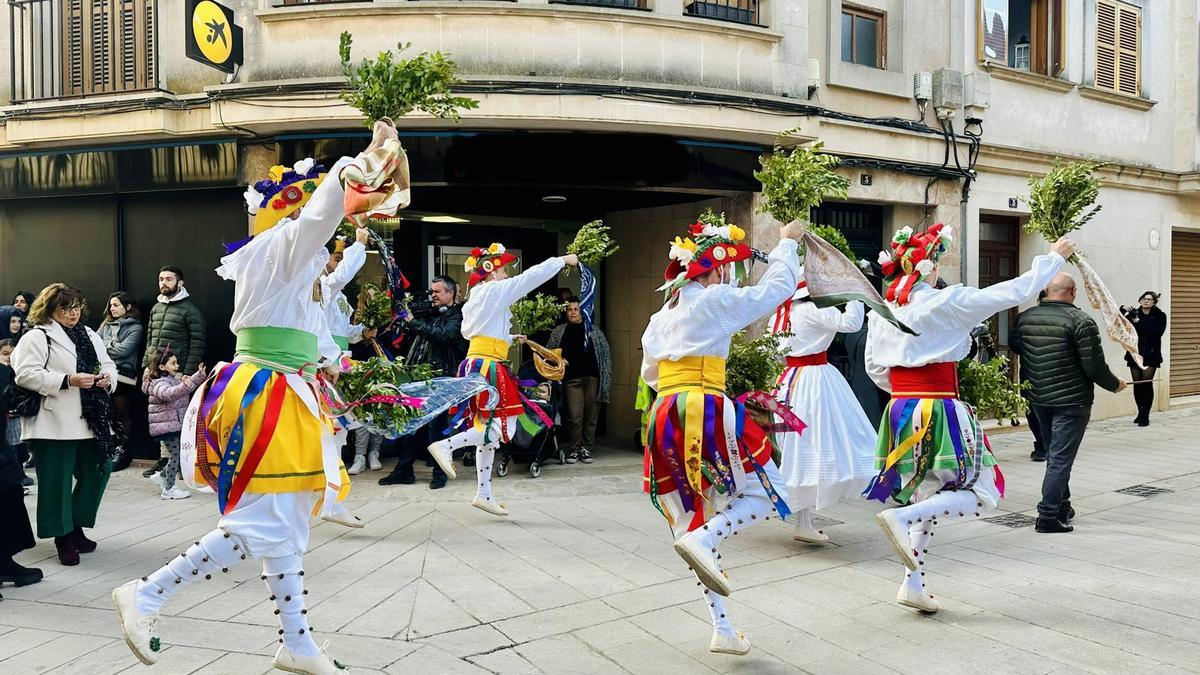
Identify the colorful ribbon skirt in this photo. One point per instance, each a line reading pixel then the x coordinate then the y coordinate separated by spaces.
pixel 512 402
pixel 699 443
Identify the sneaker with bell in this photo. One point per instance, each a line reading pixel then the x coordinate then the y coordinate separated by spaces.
pixel 359 465
pixel 724 643
pixel 320 664
pixel 175 492
pixel 918 600
pixel 443 454
pixel 809 535
pixel 701 556
pixel 490 505
pixel 345 519
pixel 897 534
pixel 585 456
pixel 140 630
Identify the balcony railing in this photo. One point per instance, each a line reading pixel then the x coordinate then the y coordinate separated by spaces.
pixel 68 48
pixel 737 11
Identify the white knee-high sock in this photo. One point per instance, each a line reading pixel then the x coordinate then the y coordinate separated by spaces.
pixel 462 439
pixel 216 552
pixel 484 456
pixel 716 608
pixel 919 535
pixel 941 506
pixel 285 580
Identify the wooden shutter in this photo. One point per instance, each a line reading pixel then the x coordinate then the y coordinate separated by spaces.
pixel 1118 42
pixel 1184 364
pixel 107 45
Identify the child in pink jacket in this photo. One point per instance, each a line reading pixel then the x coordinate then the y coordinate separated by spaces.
pixel 169 394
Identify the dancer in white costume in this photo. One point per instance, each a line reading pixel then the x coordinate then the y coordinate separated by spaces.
pixel 487 321
pixel 344 264
pixel 834 457
pixel 933 458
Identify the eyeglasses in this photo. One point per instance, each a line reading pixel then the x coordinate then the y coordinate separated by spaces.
pixel 78 307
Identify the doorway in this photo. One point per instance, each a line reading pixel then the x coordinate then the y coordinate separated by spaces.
pixel 999 257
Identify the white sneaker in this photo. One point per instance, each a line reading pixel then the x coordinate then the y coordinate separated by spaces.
pixel 359 465
pixel 175 492
pixel 810 535
pixel 897 534
pixel 918 600
pixel 444 456
pixel 139 629
pixel 156 478
pixel 699 556
pixel 723 643
pixel 373 461
pixel 321 664
pixel 490 505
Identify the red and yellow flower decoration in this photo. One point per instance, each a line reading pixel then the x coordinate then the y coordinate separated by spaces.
pixel 484 261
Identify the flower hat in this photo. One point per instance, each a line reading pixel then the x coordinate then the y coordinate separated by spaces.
pixel 707 247
pixel 912 259
pixel 483 262
pixel 282 192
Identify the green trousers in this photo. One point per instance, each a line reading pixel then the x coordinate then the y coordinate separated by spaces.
pixel 71 477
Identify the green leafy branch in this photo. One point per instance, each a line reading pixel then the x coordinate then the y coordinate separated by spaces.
pixel 1059 201
pixel 753 365
pixel 989 387
pixel 536 314
pixel 796 180
pixel 593 243
pixel 387 87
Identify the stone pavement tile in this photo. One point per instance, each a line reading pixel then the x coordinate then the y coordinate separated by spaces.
pixel 237 663
pixel 20 640
pixel 606 637
pixel 468 642
pixel 584 538
pixel 652 597
pixel 388 619
pixel 44 616
pixel 234 637
pixel 779 569
pixel 178 660
pixel 1166 599
pixel 1123 613
pixel 653 656
pixel 480 593
pixel 357 651
pixel 337 605
pixel 430 659
pixel 506 661
pixel 56 652
pixel 248 598
pixel 558 620
pixel 434 613
pixel 566 654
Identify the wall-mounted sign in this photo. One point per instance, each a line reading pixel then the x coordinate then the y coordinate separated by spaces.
pixel 212 37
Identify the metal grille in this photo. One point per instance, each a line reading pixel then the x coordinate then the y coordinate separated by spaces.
pixel 63 48
pixel 737 11
pixel 1144 491
pixel 1013 520
pixel 622 4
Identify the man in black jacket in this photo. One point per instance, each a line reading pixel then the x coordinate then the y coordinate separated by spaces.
pixel 1060 352
pixel 436 340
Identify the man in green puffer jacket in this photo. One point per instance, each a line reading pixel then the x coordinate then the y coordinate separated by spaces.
pixel 175 322
pixel 1059 346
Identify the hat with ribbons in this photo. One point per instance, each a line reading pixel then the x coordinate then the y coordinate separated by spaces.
pixel 912 258
pixel 484 261
pixel 707 247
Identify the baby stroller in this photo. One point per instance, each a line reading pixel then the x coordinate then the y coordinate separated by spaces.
pixel 535 449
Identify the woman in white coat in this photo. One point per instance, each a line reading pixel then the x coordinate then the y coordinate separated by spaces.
pixel 73 435
pixel 833 458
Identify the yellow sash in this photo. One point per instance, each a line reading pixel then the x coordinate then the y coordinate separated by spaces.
pixel 486 347
pixel 692 372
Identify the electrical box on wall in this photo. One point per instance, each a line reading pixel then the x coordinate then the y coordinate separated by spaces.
pixel 947 92
pixel 814 75
pixel 977 95
pixel 923 86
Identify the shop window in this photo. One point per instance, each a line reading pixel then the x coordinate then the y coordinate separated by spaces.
pixel 1025 35
pixel 1118 43
pixel 864 36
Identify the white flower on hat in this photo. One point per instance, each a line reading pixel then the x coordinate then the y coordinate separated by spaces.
pixel 683 255
pixel 884 257
pixel 304 166
pixel 253 198
pixel 864 264
pixel 925 267
pixel 710 231
pixel 947 234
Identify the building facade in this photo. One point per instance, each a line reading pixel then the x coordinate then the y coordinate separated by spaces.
pixel 119 154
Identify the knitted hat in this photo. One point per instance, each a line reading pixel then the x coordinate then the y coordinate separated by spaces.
pixel 912 258
pixel 282 192
pixel 708 247
pixel 483 262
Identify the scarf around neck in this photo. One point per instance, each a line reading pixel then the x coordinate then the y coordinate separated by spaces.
pixel 98 409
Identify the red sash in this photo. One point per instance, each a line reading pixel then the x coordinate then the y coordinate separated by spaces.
pixel 935 380
pixel 818 359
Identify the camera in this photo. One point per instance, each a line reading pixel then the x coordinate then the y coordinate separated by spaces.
pixel 421 306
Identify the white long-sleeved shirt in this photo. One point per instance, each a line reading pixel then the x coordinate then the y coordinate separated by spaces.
pixel 336 307
pixel 813 328
pixel 705 318
pixel 275 273
pixel 944 320
pixel 487 309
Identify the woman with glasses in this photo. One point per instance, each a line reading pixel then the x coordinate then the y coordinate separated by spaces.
pixel 1150 322
pixel 73 435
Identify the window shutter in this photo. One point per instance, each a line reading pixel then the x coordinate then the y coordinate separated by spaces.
pixel 1118 43
pixel 107 46
pixel 73 65
pixel 1129 38
pixel 1106 45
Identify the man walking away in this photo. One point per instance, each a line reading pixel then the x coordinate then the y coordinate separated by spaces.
pixel 1060 352
pixel 175 323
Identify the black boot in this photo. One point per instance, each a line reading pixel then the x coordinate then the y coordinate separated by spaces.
pixel 158 466
pixel 123 460
pixel 17 575
pixel 1051 526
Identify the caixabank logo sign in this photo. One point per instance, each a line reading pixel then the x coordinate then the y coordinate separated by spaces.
pixel 212 36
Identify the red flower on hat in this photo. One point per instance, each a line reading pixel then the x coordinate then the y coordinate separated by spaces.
pixel 697 228
pixel 476 252
pixel 888 268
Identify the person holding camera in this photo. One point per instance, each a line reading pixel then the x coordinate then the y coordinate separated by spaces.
pixel 1150 322
pixel 435 329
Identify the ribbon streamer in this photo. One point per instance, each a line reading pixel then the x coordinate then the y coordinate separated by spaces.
pixel 587 301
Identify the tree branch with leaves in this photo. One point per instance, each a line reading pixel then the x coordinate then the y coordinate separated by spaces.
pixel 389 87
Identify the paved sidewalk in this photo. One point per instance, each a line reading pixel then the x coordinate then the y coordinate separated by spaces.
pixel 582 579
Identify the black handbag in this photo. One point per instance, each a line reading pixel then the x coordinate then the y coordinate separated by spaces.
pixel 26 402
